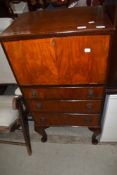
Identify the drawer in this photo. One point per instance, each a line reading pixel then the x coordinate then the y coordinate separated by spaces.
pixel 46 119
pixel 64 93
pixel 80 106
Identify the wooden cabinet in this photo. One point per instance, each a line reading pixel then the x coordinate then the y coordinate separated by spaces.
pixel 62 71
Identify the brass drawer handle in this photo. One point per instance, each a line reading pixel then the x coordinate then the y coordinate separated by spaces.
pixel 34 93
pixel 42 119
pixel 88 120
pixel 90 93
pixel 89 107
pixel 38 105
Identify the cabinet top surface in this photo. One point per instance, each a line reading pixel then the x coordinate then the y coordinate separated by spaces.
pixel 60 22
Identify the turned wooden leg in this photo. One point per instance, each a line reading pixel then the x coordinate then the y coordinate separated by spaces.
pixel 41 131
pixel 96 132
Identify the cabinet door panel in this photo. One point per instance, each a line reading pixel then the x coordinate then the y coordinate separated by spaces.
pixel 82 59
pixel 33 61
pixel 65 60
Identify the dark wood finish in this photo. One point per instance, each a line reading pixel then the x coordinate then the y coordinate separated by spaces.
pixel 42 132
pixel 60 22
pixel 79 93
pixel 81 106
pixel 54 65
pixel 62 83
pixel 74 119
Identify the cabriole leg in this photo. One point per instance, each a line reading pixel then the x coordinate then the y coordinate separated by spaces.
pixel 42 132
pixel 96 132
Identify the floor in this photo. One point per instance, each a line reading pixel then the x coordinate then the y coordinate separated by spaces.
pixel 59 159
pixel 68 151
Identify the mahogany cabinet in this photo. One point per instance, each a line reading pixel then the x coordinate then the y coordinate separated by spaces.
pixel 61 61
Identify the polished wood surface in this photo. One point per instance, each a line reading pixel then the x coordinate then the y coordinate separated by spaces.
pixel 63 60
pixel 79 106
pixel 43 119
pixel 59 22
pixel 53 93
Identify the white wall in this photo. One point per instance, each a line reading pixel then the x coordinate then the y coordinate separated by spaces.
pixel 82 2
pixel 6 75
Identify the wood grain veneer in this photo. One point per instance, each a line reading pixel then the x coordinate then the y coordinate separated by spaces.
pixel 81 106
pixel 63 92
pixel 53 119
pixel 60 60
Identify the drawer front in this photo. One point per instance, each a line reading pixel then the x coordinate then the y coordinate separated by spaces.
pixel 79 106
pixel 44 119
pixel 80 93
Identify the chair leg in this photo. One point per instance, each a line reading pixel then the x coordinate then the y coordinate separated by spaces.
pixel 25 126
